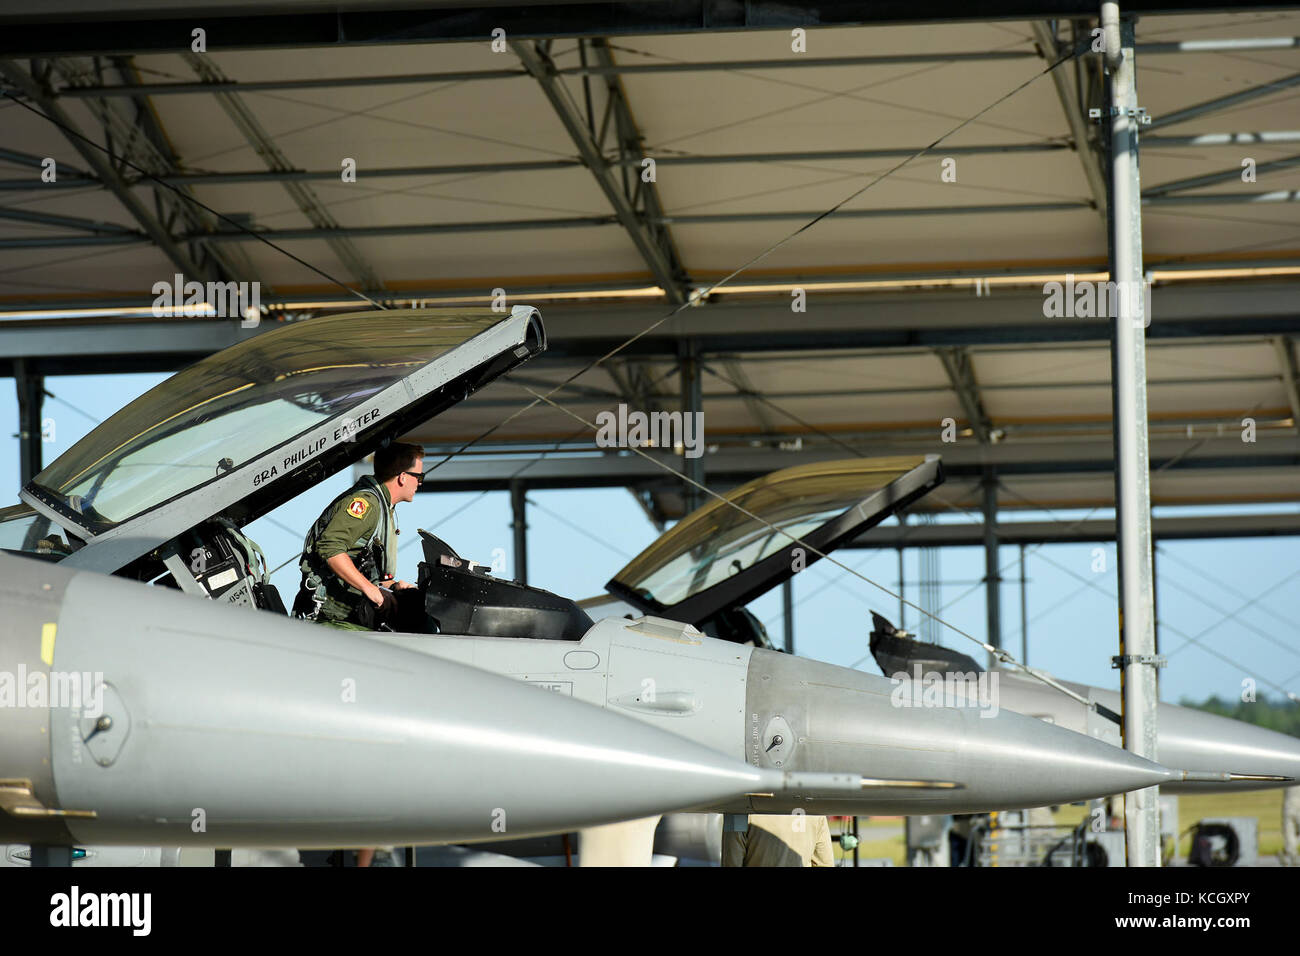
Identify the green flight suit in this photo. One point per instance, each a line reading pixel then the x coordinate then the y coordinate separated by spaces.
pixel 350 522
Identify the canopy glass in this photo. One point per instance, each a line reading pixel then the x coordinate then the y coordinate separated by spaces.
pixel 232 407
pixel 724 539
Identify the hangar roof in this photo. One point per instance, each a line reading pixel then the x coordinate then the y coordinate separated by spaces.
pixel 522 171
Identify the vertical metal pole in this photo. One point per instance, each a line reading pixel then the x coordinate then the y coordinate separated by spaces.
pixel 787 613
pixel 857 843
pixel 902 592
pixel 992 581
pixel 1024 610
pixel 1155 603
pixel 31 397
pixel 1132 469
pixel 692 402
pixel 902 584
pixel 519 525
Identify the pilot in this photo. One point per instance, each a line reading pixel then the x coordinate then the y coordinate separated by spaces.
pixel 350 554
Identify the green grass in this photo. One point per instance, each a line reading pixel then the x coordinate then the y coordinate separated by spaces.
pixel 1264 805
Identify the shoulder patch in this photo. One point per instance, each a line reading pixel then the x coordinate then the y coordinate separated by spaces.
pixel 358 507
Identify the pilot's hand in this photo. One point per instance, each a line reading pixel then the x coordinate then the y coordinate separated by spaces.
pixel 374 595
pixel 403 585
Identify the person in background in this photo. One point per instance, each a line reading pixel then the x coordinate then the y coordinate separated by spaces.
pixel 1291 826
pixel 776 840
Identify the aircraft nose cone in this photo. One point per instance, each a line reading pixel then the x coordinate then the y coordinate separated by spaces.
pixel 232 727
pixel 1195 740
pixel 849 720
pixel 1187 739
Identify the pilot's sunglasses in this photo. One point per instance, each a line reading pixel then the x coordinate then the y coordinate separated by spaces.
pixel 417 475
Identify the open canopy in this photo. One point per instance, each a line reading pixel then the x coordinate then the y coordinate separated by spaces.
pixel 722 556
pixel 253 425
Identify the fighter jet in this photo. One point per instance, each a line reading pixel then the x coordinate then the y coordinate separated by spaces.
pixel 692 573
pixel 1185 737
pixel 158 491
pixel 136 715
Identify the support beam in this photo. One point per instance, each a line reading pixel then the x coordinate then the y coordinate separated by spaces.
pixel 1284 348
pixel 1091 531
pixel 151 149
pixel 67 222
pixel 548 165
pixel 1024 610
pixel 313 83
pixel 680 285
pixel 795 63
pixel 910 324
pixel 31 399
pixel 957 364
pixel 1227 175
pixel 992 577
pixel 71 179
pixel 133 130
pixel 32 161
pixel 770 423
pixel 103 169
pixel 903 531
pixel 324 234
pixel 1087 458
pixel 692 402
pixel 634 201
pixel 1155 603
pixel 519 527
pixel 930 584
pixel 1266 311
pixel 787 613
pixel 1137 653
pixel 86 26
pixel 897 212
pixel 1224 102
pixel 1085 146
pixel 74 179
pixel 308 203
pixel 1208 140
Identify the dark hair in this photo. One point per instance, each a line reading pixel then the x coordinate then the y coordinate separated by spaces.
pixel 392 460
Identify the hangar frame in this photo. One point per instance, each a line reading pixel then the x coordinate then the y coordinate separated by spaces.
pixel 735 350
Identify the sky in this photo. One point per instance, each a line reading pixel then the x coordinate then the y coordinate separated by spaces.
pixel 578 539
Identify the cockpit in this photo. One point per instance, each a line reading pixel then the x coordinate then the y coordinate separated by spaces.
pixel 160 491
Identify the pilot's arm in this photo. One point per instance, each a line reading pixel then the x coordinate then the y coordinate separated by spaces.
pixel 344 567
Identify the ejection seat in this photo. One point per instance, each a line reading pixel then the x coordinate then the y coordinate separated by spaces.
pixel 462 597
